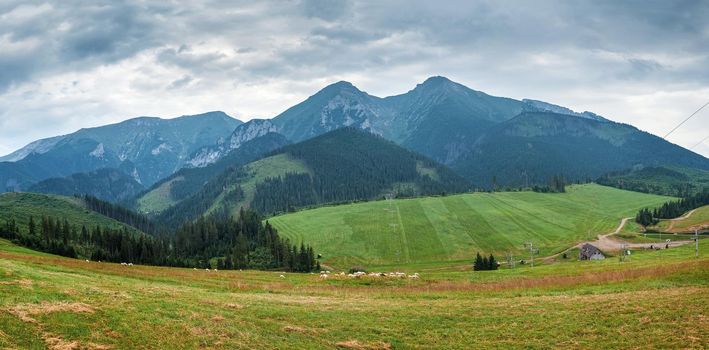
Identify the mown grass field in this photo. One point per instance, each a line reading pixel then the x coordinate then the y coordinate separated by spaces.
pixel 454 228
pixel 656 300
pixel 258 171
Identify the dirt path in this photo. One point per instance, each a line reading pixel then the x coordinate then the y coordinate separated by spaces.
pixel 685 216
pixel 607 243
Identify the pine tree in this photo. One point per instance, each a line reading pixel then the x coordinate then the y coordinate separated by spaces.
pixel 492 263
pixel 31 227
pixel 478 265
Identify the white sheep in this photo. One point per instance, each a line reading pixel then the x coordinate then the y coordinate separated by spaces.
pixel 281 276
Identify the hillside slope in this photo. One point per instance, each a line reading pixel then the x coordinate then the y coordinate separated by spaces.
pixel 456 227
pixel 341 166
pixel 672 181
pixel 108 184
pixel 188 181
pixel 534 146
pixel 90 305
pixel 20 206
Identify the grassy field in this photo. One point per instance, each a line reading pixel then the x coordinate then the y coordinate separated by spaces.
pixel 698 220
pixel 274 166
pixel 20 206
pixel 656 300
pixel 158 199
pixel 455 227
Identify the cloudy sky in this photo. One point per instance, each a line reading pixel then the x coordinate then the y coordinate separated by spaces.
pixel 66 65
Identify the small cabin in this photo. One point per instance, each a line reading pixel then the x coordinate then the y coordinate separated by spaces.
pixel 590 252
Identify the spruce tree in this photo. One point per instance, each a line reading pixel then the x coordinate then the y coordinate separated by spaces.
pixel 492 263
pixel 479 264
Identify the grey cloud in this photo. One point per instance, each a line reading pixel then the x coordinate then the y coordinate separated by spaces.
pixel 326 9
pixel 514 48
pixel 180 83
pixel 71 36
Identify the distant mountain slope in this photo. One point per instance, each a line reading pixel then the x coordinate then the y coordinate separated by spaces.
pixel 671 181
pixel 486 139
pixel 340 166
pixel 155 147
pixel 438 118
pixel 478 135
pixel 534 146
pixel 188 181
pixel 108 184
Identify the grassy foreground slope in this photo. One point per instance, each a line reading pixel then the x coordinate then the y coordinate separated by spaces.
pixel 456 227
pixel 656 300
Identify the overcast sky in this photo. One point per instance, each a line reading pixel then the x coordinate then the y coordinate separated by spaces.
pixel 66 65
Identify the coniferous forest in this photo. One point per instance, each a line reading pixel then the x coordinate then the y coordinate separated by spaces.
pixel 673 209
pixel 372 167
pixel 221 242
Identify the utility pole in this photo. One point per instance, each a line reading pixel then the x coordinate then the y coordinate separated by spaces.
pixel 623 251
pixel 510 260
pixel 531 252
pixel 696 243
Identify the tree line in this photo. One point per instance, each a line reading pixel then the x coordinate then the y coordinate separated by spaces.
pixel 119 213
pixel 557 184
pixel 61 237
pixel 222 241
pixel 240 243
pixel 672 209
pixel 485 263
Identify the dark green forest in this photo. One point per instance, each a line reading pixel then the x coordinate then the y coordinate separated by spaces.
pixel 676 182
pixel 244 242
pixel 349 165
pixel 673 209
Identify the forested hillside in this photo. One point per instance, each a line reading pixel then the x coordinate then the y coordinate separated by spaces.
pixel 189 181
pixel 82 228
pixel 349 165
pixel 344 165
pixel 534 146
pixel 108 184
pixel 671 181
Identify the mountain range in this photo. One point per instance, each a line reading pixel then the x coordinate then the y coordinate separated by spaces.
pixel 146 148
pixel 343 165
pixel 480 136
pixel 487 140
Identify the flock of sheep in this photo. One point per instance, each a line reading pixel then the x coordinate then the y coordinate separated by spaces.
pixel 327 274
pixel 360 274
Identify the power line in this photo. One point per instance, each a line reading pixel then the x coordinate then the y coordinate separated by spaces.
pixel 684 121
pixel 700 142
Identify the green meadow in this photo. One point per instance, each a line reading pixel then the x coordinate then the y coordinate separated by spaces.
pixel 453 228
pixel 655 300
